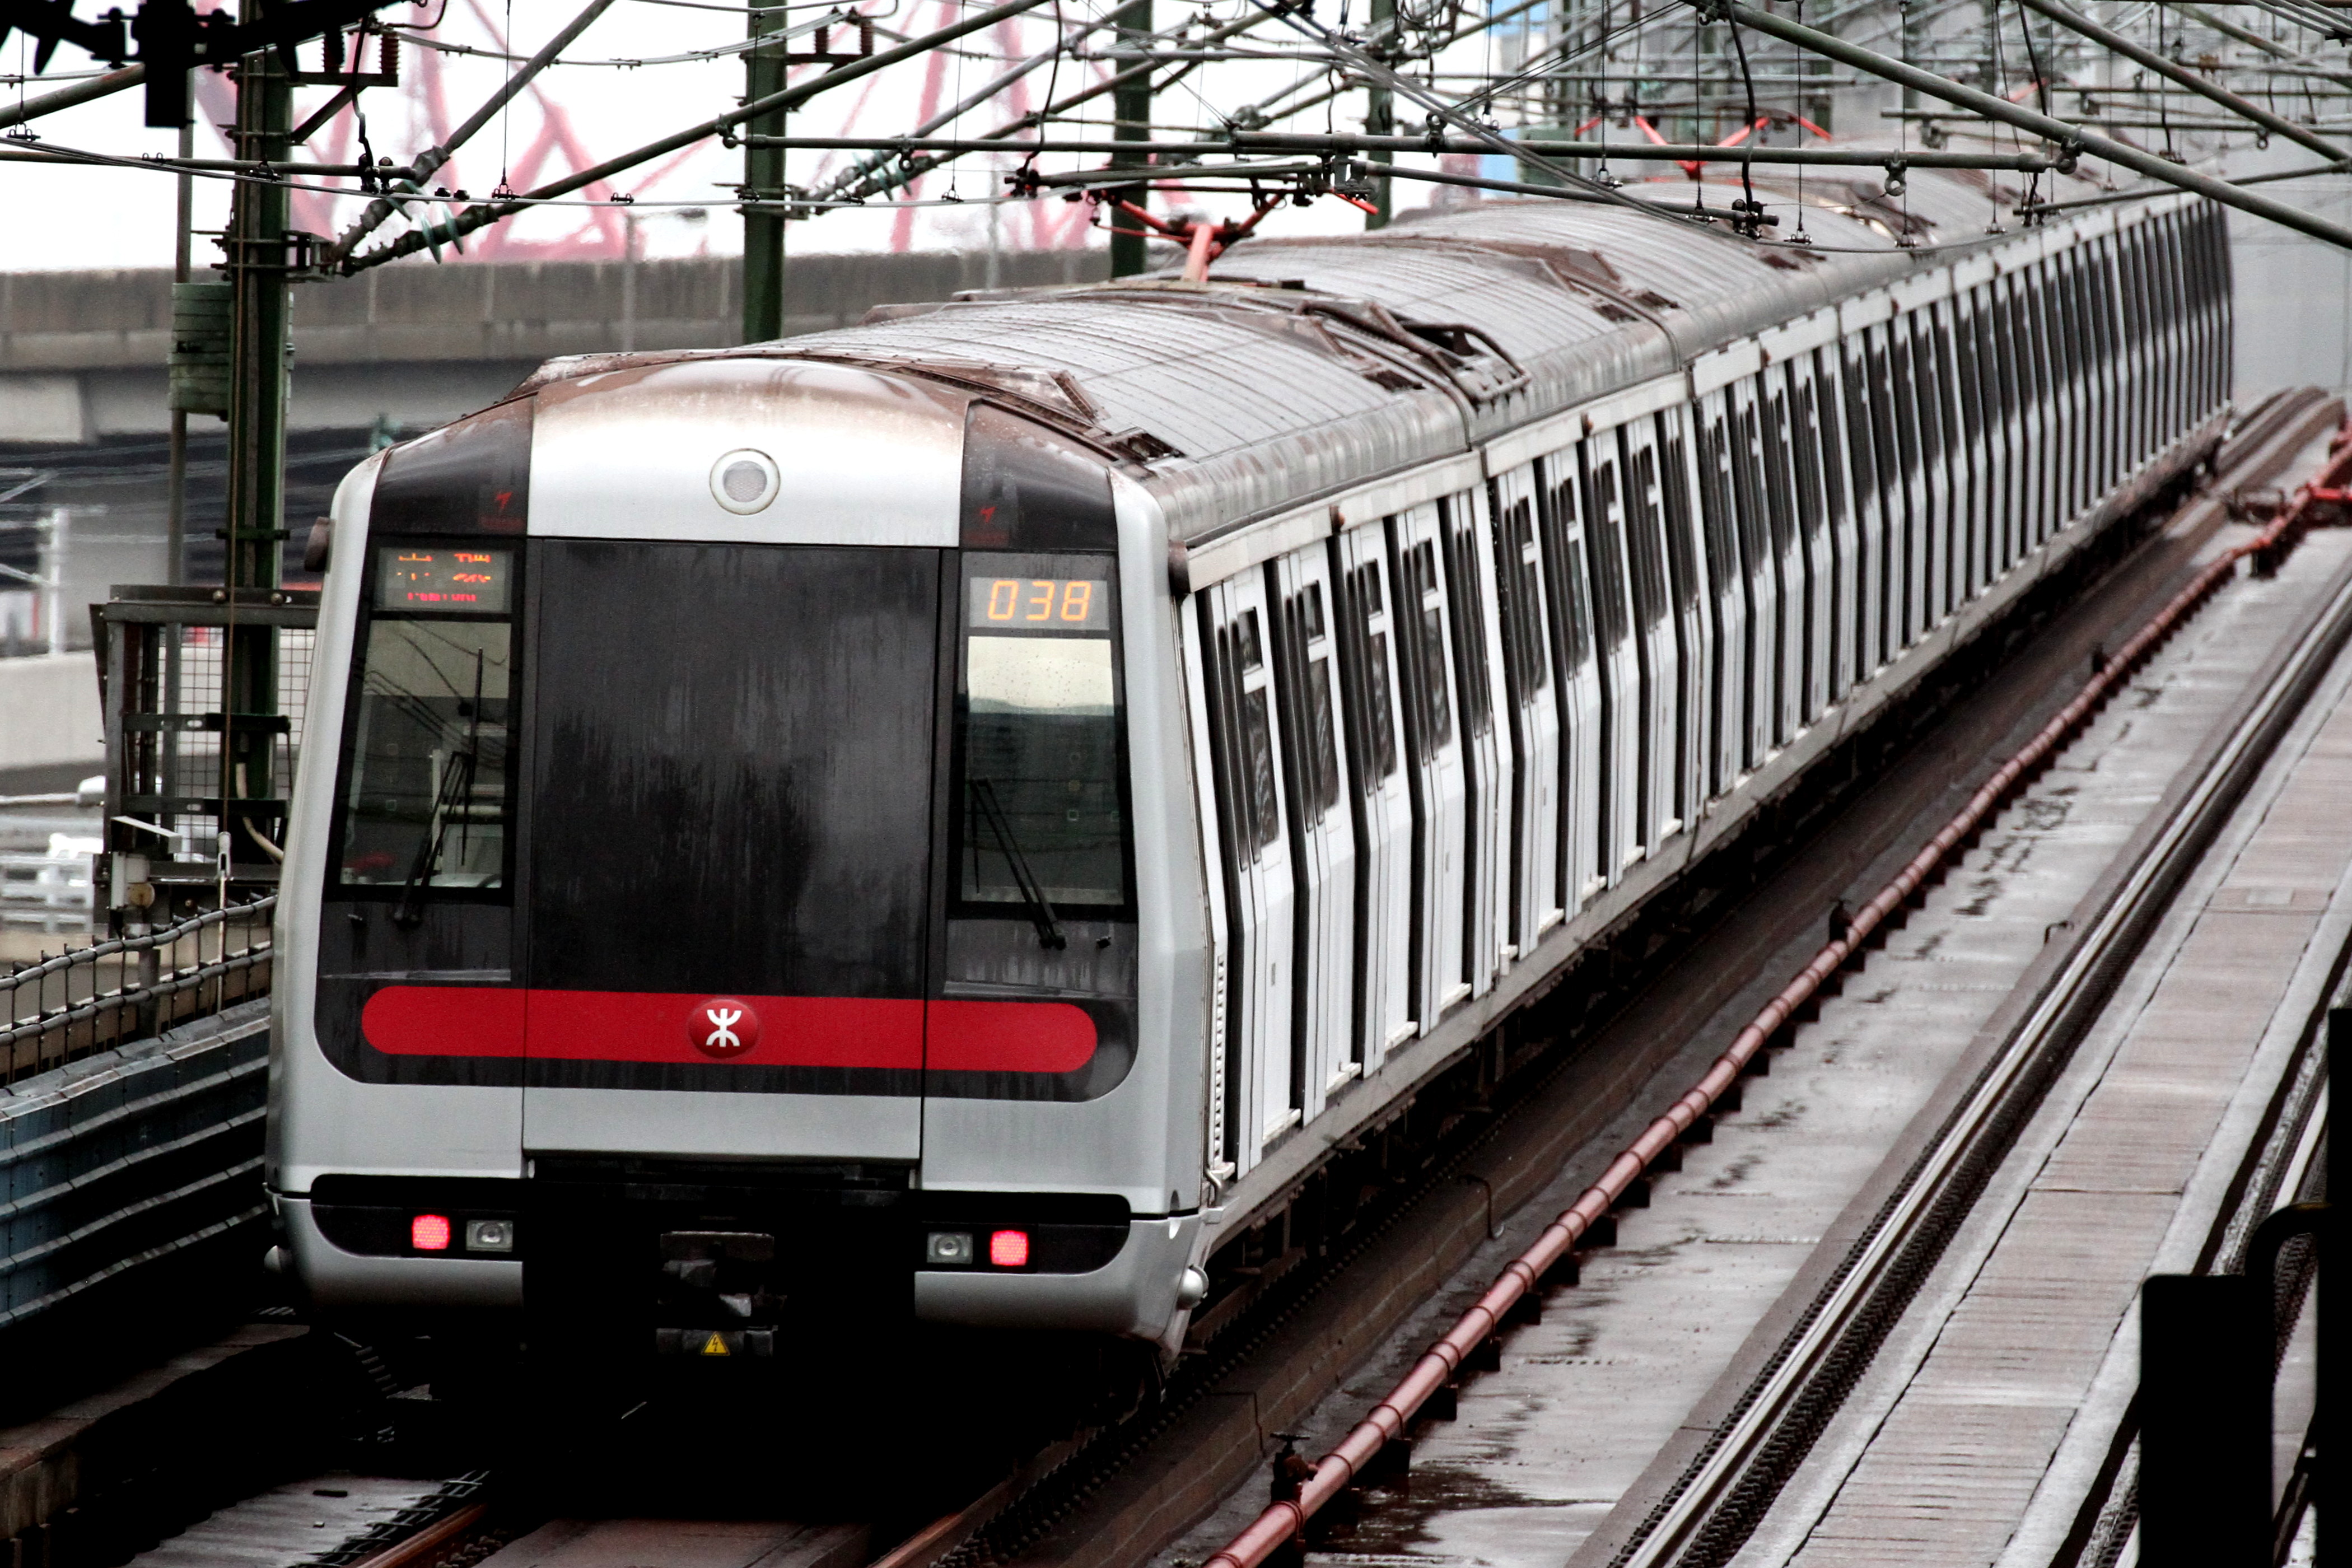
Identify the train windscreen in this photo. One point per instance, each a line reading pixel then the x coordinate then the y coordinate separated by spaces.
pixel 424 790
pixel 1041 809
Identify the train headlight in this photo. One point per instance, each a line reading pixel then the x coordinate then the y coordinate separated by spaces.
pixel 429 1233
pixel 1009 1249
pixel 489 1235
pixel 949 1249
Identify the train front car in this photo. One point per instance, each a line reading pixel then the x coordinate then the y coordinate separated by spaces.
pixel 730 907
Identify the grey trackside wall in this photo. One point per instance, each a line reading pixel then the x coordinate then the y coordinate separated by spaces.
pixel 82 353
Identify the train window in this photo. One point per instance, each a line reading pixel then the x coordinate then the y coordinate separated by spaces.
pixel 1680 562
pixel 1806 448
pixel 1039 793
pixel 1555 485
pixel 1306 668
pixel 1459 516
pixel 1832 456
pixel 1371 734
pixel 1971 402
pixel 1517 569
pixel 425 784
pixel 1647 524
pixel 1780 504
pixel 1423 622
pixel 1606 539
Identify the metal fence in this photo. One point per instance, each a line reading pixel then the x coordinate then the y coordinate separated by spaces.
pixel 131 1165
pixel 89 999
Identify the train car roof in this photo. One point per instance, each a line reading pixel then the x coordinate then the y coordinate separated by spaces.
pixel 1306 367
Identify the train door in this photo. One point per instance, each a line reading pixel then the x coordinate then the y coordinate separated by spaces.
pixel 2019 421
pixel 1252 832
pixel 2179 347
pixel 1727 590
pixel 1788 556
pixel 1839 499
pixel 1958 476
pixel 1692 611
pixel 1560 515
pixel 1759 701
pixel 1645 527
pixel 2099 289
pixel 2066 326
pixel 2049 434
pixel 1371 644
pixel 1910 593
pixel 1813 535
pixel 1485 731
pixel 1993 413
pixel 1939 459
pixel 1440 785
pixel 1322 835
pixel 1536 899
pixel 1196 647
pixel 713 849
pixel 1622 793
pixel 2141 347
pixel 1974 568
pixel 1869 601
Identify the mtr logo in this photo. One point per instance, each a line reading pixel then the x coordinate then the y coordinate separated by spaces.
pixel 722 1026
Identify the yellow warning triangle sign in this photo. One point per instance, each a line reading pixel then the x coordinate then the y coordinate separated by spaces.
pixel 715 1345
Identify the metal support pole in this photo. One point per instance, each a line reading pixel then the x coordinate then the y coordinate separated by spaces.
pixel 1379 113
pixel 763 180
pixel 2072 137
pixel 175 524
pixel 1131 121
pixel 2197 84
pixel 2204 1422
pixel 255 522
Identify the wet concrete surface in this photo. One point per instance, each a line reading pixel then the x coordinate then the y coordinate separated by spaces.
pixel 1542 1452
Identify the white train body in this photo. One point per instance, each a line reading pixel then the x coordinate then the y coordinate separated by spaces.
pixel 697 741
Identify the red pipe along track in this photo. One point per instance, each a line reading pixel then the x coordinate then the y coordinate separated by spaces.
pixel 1285 1521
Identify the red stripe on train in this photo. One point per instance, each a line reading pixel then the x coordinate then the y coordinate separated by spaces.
pixel 791 1031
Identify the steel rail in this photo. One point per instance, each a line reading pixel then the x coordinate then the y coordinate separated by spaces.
pixel 2074 138
pixel 1284 1522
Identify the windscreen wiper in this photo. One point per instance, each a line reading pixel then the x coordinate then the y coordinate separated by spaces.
pixel 1033 892
pixel 457 787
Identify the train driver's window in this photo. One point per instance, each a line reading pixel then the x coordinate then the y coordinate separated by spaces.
pixel 425 778
pixel 1040 797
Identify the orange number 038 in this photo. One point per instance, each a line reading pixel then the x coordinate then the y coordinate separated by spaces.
pixel 1034 600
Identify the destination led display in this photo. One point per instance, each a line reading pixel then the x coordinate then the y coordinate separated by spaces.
pixel 453 582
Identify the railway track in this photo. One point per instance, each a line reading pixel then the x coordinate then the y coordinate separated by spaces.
pixel 1023 1513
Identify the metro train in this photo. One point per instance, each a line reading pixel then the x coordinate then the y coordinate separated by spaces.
pixel 956 817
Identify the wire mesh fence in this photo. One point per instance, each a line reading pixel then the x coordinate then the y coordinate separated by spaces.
pixel 58 1009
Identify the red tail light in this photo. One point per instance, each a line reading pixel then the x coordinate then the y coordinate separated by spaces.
pixel 430 1232
pixel 1009 1249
